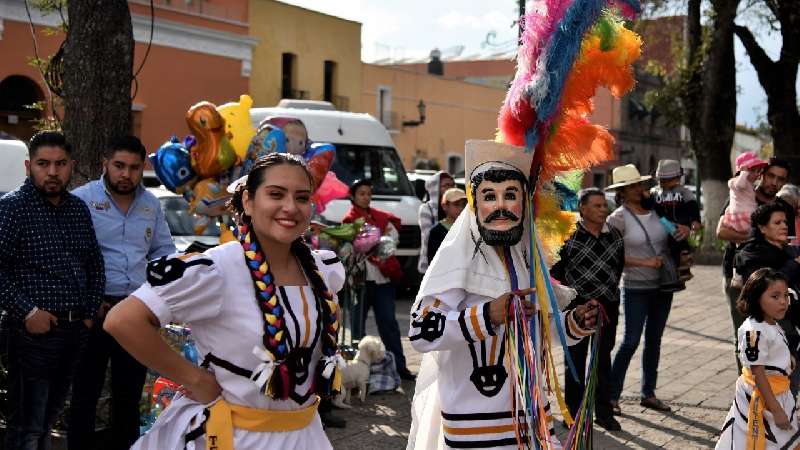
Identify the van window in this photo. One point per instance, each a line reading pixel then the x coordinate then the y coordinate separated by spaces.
pixel 180 222
pixel 381 165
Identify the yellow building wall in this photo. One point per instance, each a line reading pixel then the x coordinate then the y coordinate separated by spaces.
pixel 314 38
pixel 456 111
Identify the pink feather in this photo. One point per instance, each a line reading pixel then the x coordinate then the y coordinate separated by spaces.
pixel 539 24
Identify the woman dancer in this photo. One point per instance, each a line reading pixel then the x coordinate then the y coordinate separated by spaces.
pixel 762 415
pixel 263 314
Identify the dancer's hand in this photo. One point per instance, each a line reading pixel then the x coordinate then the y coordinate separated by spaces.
pixel 498 308
pixel 781 420
pixel 586 314
pixel 203 388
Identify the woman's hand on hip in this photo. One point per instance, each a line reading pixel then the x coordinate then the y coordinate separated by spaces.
pixel 203 388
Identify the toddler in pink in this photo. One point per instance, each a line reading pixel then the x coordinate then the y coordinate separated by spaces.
pixel 742 192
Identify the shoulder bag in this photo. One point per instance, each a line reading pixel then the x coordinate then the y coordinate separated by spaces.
pixel 668 273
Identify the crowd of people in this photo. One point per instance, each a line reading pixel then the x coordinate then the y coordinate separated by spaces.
pixel 88 277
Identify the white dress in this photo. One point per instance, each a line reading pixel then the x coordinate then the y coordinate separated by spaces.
pixel 473 380
pixel 213 293
pixel 760 344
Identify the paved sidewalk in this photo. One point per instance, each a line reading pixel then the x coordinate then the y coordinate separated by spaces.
pixel 696 376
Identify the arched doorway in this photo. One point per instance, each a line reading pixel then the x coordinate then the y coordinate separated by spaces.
pixel 17 91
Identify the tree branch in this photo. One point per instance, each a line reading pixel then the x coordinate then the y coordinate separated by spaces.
pixel 758 57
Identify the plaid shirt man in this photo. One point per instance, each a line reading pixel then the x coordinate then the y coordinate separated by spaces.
pixel 592 265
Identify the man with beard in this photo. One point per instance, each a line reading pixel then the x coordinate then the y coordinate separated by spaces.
pixel 463 391
pixel 51 285
pixel 131 230
pixel 772 180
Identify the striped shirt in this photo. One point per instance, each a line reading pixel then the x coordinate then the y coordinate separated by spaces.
pixel 49 256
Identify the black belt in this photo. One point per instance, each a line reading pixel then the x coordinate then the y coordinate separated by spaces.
pixel 114 299
pixel 69 316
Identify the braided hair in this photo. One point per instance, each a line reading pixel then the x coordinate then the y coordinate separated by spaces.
pixel 279 384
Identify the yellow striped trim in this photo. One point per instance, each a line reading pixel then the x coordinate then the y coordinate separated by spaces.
pixel 186 256
pixel 478 430
pixel 305 316
pixel 473 315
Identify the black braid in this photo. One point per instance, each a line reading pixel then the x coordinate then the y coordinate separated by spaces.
pixel 329 335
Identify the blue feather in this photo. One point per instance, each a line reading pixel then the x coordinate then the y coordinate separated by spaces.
pixel 562 51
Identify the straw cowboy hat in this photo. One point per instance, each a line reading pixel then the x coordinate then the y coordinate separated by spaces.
pixel 626 175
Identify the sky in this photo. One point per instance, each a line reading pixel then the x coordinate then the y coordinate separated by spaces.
pixel 412 28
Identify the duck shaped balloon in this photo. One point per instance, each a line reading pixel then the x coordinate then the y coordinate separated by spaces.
pixel 238 127
pixel 213 152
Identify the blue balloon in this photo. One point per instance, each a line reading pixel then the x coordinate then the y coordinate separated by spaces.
pixel 274 142
pixel 173 165
pixel 316 148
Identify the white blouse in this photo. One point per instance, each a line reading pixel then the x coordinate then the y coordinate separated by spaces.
pixel 213 293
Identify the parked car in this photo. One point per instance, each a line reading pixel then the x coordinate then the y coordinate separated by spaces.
pixel 13 154
pixel 181 223
pixel 364 149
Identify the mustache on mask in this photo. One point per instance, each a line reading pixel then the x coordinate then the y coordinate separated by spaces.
pixel 500 214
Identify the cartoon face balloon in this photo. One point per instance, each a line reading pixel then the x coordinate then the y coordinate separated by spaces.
pixel 238 128
pixel 296 133
pixel 296 137
pixel 173 165
pixel 208 198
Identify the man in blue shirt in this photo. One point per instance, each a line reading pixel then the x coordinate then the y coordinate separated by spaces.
pixel 51 285
pixel 131 230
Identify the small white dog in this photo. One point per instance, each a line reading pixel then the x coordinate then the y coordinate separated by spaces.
pixel 356 374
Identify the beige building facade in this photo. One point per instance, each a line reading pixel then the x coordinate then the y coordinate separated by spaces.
pixel 455 111
pixel 304 54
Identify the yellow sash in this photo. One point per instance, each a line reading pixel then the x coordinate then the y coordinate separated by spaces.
pixel 224 417
pixel 755 417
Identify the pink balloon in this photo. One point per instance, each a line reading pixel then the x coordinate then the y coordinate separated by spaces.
pixel 330 189
pixel 366 239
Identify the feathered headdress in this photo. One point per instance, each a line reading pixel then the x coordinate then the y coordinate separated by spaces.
pixel 568 49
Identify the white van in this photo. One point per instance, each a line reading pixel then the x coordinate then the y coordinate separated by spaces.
pixel 364 149
pixel 13 155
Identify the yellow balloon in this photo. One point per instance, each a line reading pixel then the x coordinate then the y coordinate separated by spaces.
pixel 238 128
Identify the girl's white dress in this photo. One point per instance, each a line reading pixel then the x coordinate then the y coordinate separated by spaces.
pixel 213 293
pixel 760 344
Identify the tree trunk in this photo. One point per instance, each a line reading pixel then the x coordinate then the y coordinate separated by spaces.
pixel 98 69
pixel 710 100
pixel 779 78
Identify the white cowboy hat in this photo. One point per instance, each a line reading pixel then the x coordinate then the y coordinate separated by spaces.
pixel 626 175
pixel 481 154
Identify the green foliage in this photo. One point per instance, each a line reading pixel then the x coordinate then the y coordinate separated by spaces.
pixel 677 83
pixel 47 121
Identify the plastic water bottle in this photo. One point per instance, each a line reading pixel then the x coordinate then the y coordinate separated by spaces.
pixel 669 227
pixel 190 350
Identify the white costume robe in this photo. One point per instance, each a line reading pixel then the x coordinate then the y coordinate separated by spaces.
pixel 771 350
pixel 462 397
pixel 213 293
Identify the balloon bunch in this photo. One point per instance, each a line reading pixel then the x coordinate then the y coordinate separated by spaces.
pixel 202 165
pixel 356 239
pixel 223 147
pixel 289 135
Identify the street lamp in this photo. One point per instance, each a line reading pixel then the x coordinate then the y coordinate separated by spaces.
pixel 415 123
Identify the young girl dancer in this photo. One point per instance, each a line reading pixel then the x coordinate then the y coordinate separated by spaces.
pixel 762 414
pixel 263 315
